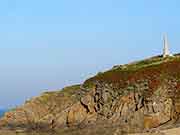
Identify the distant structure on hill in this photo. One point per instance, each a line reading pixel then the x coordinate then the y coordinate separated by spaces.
pixel 166 51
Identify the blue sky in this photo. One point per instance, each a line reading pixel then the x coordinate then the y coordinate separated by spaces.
pixel 46 45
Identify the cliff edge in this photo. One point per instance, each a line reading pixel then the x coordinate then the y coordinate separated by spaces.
pixel 131 98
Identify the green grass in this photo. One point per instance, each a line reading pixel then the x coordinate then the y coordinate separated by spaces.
pixel 66 92
pixel 147 63
pixel 122 72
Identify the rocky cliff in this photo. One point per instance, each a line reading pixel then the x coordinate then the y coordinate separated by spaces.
pixel 129 98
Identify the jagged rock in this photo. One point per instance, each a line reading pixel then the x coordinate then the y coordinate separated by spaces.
pixel 61 119
pixel 160 116
pixel 77 114
pixel 88 102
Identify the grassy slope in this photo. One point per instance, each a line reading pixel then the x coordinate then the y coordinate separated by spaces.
pixel 65 92
pixel 154 70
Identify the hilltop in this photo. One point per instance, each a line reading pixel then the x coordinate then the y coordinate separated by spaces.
pixel 131 98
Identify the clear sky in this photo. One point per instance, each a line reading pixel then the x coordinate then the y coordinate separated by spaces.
pixel 49 44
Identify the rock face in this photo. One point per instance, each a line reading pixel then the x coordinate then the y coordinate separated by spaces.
pixel 142 96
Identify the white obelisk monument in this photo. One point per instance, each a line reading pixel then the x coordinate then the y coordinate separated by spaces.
pixel 166 51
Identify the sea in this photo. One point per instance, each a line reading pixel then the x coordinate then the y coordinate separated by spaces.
pixel 2 111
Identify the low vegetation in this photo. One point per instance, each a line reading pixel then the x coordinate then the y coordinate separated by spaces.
pixel 145 69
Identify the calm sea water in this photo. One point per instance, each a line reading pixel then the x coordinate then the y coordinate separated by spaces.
pixel 2 112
